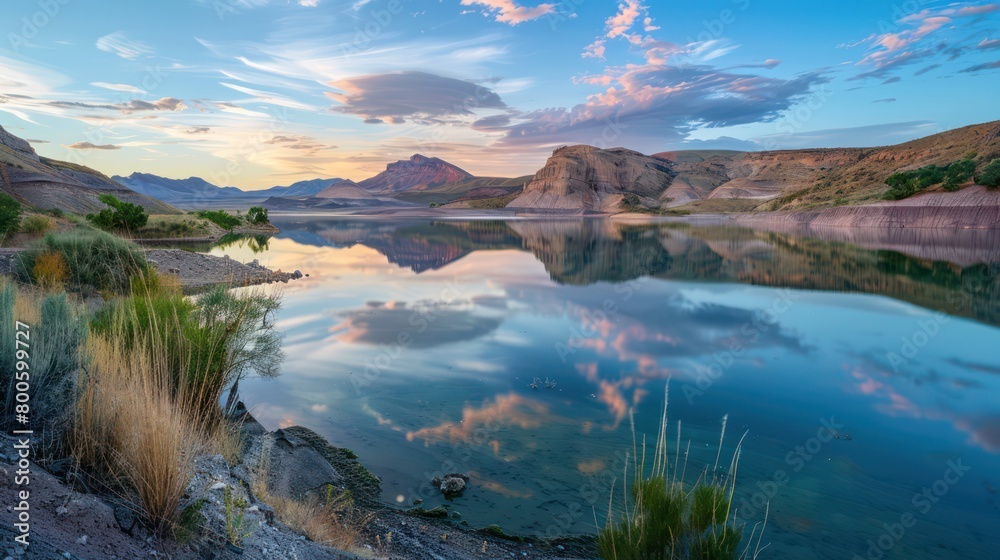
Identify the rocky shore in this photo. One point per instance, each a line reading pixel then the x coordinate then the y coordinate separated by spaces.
pixel 70 522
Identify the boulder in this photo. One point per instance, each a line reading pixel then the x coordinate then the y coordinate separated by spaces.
pixel 451 485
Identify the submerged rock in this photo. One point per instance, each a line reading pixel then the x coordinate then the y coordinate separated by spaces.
pixel 451 485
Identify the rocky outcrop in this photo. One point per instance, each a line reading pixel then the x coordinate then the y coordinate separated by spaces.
pixel 345 189
pixel 589 179
pixel 417 173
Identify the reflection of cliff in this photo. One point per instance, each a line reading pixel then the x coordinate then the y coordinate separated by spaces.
pixel 589 251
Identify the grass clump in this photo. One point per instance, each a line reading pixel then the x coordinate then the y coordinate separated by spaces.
pixel 134 432
pixel 37 224
pixel 236 510
pixel 221 218
pixel 207 345
pixel 173 227
pixel 662 518
pixel 94 258
pixel 57 331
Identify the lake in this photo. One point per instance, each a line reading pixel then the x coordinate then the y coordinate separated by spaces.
pixel 862 367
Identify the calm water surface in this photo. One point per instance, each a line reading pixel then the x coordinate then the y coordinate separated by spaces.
pixel 414 343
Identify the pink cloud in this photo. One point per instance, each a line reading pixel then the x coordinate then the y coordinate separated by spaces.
pixel 620 23
pixel 508 11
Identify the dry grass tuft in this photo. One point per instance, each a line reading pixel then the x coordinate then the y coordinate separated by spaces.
pixel 132 428
pixel 331 520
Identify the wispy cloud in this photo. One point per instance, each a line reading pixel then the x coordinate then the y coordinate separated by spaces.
pixel 117 43
pixel 118 87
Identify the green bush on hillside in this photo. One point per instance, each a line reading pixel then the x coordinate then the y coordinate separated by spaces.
pixel 989 177
pixel 119 216
pixel 907 183
pixel 10 215
pixel 221 218
pixel 95 259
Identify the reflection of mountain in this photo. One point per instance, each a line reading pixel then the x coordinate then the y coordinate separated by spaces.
pixel 588 251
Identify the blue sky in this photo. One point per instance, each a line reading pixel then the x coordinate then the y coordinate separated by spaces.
pixel 256 93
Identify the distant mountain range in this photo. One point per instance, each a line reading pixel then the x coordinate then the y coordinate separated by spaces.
pixel 576 179
pixel 195 190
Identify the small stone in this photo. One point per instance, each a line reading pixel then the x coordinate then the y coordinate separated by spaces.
pixel 217 486
pixel 61 510
pixel 82 540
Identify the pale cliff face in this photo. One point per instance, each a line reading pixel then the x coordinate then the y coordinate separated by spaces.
pixel 588 178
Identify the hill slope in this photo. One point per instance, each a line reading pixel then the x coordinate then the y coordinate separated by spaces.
pixel 44 183
pixel 802 179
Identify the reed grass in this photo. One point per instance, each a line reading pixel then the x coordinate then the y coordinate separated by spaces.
pixel 660 517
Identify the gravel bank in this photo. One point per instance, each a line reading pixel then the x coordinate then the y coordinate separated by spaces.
pixel 196 270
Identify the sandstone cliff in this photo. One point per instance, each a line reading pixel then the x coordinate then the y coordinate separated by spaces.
pixel 418 172
pixel 585 178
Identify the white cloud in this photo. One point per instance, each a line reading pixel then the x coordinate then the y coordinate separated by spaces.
pixel 117 43
pixel 118 87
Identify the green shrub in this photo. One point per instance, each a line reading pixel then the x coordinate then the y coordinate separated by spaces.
pixel 221 218
pixel 435 204
pixel 989 177
pixel 208 344
pixel 56 212
pixel 96 259
pixel 36 224
pixel 907 183
pixel 119 216
pixel 10 215
pixel 56 336
pixel 257 216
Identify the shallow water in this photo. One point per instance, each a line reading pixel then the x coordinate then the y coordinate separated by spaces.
pixel 414 342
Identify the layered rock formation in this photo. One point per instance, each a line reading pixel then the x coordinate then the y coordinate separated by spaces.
pixel 44 183
pixel 820 176
pixel 418 172
pixel 589 179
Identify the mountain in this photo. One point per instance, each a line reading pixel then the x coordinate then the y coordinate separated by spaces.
pixel 195 191
pixel 45 183
pixel 345 189
pixel 176 190
pixel 585 178
pixel 417 173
